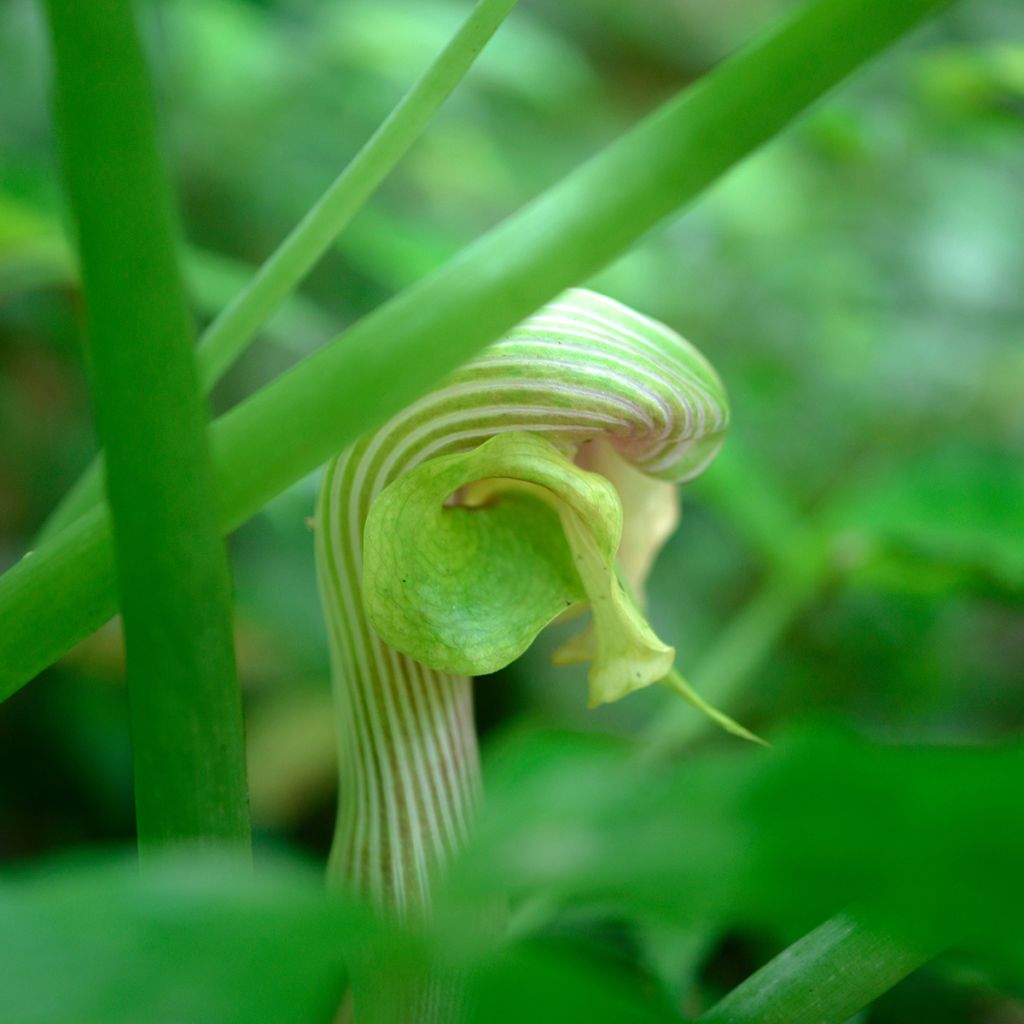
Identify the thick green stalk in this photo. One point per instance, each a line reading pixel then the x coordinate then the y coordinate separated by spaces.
pixel 398 352
pixel 171 565
pixel 824 978
pixel 230 333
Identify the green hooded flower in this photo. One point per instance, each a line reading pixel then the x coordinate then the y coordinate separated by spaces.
pixel 468 557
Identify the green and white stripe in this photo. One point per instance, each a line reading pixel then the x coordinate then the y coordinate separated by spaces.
pixel 583 367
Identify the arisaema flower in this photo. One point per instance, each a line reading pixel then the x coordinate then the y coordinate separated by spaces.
pixel 469 556
pixel 538 480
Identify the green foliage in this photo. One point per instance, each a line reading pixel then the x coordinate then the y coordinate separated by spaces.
pixel 731 836
pixel 191 939
pixel 855 550
pixel 953 512
pixel 734 836
pixel 294 424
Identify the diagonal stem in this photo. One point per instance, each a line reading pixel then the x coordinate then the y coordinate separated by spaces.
pixel 824 978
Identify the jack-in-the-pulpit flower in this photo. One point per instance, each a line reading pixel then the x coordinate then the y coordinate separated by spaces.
pixel 465 585
pixel 537 481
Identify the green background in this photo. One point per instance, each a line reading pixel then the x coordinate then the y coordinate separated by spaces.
pixel 859 285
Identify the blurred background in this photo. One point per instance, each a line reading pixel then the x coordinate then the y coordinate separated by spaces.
pixel 858 550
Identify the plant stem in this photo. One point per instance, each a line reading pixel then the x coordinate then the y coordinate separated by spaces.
pixel 230 333
pixel 171 565
pixel 824 978
pixel 395 354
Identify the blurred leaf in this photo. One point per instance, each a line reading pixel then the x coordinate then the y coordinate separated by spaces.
pixel 192 940
pixel 891 828
pixel 196 940
pixel 782 839
pixel 537 982
pixel 572 818
pixel 951 512
pixel 233 52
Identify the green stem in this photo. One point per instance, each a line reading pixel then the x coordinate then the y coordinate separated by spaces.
pixel 228 336
pixel 171 564
pixel 398 352
pixel 824 978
